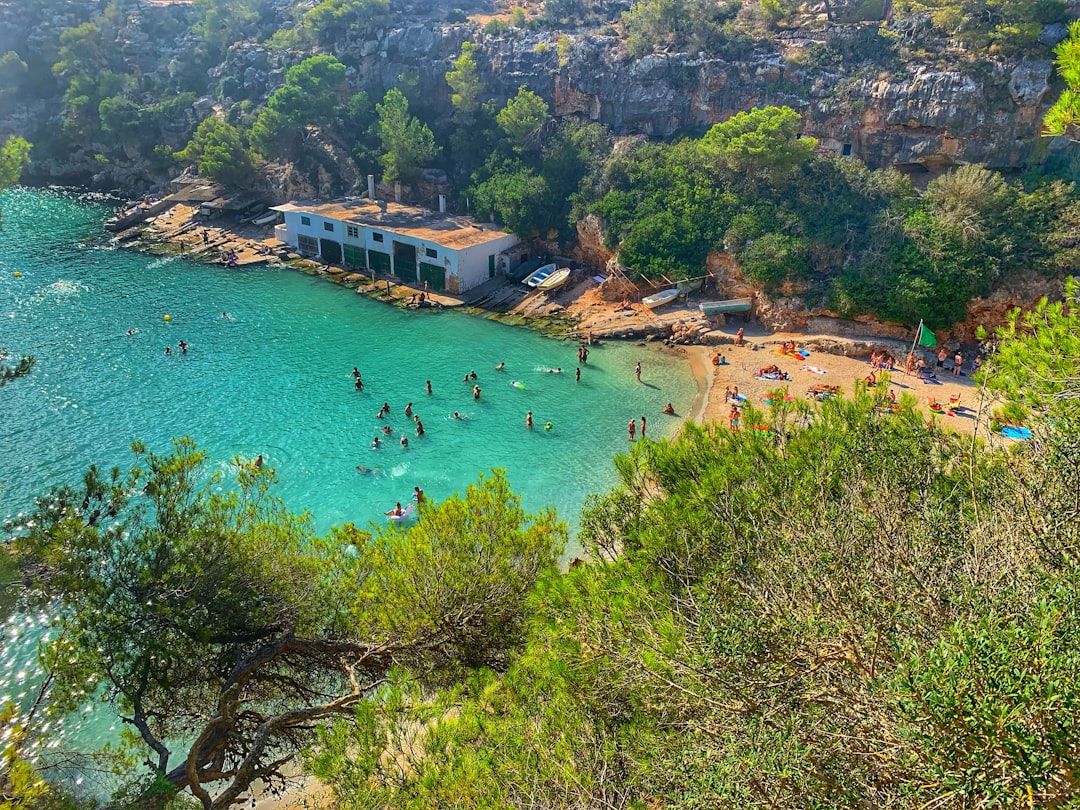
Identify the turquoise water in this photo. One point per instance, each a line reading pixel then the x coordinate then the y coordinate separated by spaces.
pixel 274 377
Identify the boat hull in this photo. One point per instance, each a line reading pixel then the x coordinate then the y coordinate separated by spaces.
pixel 721 307
pixel 555 280
pixel 660 299
pixel 540 275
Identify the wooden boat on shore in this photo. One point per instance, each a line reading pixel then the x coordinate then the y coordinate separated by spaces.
pixel 534 279
pixel 660 298
pixel 555 280
pixel 730 305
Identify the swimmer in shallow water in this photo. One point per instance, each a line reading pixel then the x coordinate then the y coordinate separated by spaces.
pixel 500 367
pixel 368 470
pixel 376 443
pixel 132 331
pixel 404 442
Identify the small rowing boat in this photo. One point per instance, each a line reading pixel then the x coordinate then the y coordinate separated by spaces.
pixel 534 279
pixel 660 298
pixel 730 305
pixel 555 280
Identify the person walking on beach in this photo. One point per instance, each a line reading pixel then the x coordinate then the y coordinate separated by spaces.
pixel 941 356
pixel 637 371
pixel 643 427
pixel 528 419
pixel 631 426
pixel 733 418
pixel 958 364
pixel 739 337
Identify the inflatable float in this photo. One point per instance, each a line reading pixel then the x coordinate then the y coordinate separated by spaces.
pixel 406 513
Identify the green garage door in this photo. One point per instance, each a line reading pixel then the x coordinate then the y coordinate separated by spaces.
pixel 434 275
pixel 355 256
pixel 380 262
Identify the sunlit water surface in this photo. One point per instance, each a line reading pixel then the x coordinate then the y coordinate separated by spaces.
pixel 273 377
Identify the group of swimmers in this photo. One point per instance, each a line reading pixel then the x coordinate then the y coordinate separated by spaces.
pixel 168 349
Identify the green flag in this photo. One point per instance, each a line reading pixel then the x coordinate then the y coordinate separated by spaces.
pixel 926 337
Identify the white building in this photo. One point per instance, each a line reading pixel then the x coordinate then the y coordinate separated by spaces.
pixel 451 253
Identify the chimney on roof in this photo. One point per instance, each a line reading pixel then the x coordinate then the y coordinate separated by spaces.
pixel 371 186
pixel 442 203
pixel 397 192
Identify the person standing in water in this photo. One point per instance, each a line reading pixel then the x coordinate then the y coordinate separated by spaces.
pixel 418 495
pixel 577 374
pixel 631 426
pixel 637 371
pixel 500 367
pixel 428 386
pixel 358 384
pixel 476 392
pixel 419 428
pixel 408 409
pixel 643 427
pixel 528 419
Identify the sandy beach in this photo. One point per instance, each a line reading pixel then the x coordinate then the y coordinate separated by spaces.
pixel 760 349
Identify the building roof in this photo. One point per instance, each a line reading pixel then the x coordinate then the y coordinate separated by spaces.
pixel 450 231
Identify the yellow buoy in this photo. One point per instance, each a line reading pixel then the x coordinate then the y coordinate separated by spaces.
pixel 18 274
pixel 168 318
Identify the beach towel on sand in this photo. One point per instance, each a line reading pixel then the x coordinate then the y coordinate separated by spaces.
pixel 814 370
pixel 1016 432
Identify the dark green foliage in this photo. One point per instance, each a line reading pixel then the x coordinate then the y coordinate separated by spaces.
pixel 335 21
pixel 408 145
pixel 854 240
pixel 219 152
pixel 14 155
pixel 311 95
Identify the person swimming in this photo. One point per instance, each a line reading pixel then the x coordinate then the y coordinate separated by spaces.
pixel 376 443
pixel 132 331
pixel 397 511
pixel 669 409
pixel 408 409
pixel 404 442
pixel 368 470
pixel 458 415
pixel 500 367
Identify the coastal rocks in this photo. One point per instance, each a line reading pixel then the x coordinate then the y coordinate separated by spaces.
pixel 993 311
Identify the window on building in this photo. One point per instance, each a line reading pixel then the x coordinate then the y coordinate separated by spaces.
pixel 352 231
pixel 328 226
pixel 305 220
pixel 377 237
pixel 431 253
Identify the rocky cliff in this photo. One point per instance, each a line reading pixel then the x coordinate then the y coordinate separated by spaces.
pixel 919 112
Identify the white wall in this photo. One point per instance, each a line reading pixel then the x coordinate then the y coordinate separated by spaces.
pixel 470 265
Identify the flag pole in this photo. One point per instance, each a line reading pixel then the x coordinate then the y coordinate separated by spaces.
pixel 911 354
